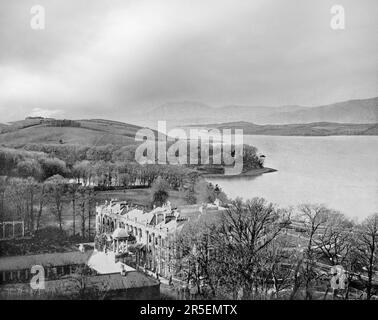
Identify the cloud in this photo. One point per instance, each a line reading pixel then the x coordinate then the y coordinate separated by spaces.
pixel 97 59
pixel 46 113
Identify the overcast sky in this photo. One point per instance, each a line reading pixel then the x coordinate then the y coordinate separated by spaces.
pixel 100 58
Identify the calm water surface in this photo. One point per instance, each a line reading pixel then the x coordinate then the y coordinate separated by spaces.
pixel 339 171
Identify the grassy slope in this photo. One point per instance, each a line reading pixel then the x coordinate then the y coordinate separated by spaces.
pixel 52 135
pixel 91 132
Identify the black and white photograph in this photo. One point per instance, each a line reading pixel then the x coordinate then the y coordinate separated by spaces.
pixel 189 150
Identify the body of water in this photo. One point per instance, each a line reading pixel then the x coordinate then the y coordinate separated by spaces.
pixel 338 171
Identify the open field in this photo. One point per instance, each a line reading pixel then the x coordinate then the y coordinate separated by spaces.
pixel 141 197
pixel 87 132
pixel 53 135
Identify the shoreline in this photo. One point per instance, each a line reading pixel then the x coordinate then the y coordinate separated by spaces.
pixel 249 173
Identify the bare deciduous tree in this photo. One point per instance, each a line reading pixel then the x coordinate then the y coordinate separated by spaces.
pixel 57 189
pixel 314 217
pixel 367 247
pixel 247 230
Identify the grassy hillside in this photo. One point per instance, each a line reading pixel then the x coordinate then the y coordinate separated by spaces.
pixel 307 129
pixel 84 132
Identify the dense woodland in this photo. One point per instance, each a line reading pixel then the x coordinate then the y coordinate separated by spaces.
pixel 45 179
pixel 33 184
pixel 253 251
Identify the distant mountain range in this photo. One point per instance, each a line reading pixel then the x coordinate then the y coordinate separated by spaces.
pixel 303 129
pixel 185 113
pixel 354 117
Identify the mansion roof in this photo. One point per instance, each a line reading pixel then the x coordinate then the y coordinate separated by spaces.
pixel 164 218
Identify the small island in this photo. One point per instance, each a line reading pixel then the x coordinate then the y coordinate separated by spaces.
pixel 253 165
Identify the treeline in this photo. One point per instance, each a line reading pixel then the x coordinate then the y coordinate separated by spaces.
pixel 22 163
pixel 72 153
pixel 61 123
pixel 101 166
pixel 129 174
pixel 112 153
pixel 104 166
pixel 33 201
pixel 257 251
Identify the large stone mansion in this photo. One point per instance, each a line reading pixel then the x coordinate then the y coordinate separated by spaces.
pixel 154 231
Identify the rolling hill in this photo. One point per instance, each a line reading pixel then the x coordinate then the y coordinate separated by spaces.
pixel 353 111
pixel 185 113
pixel 354 117
pixel 52 131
